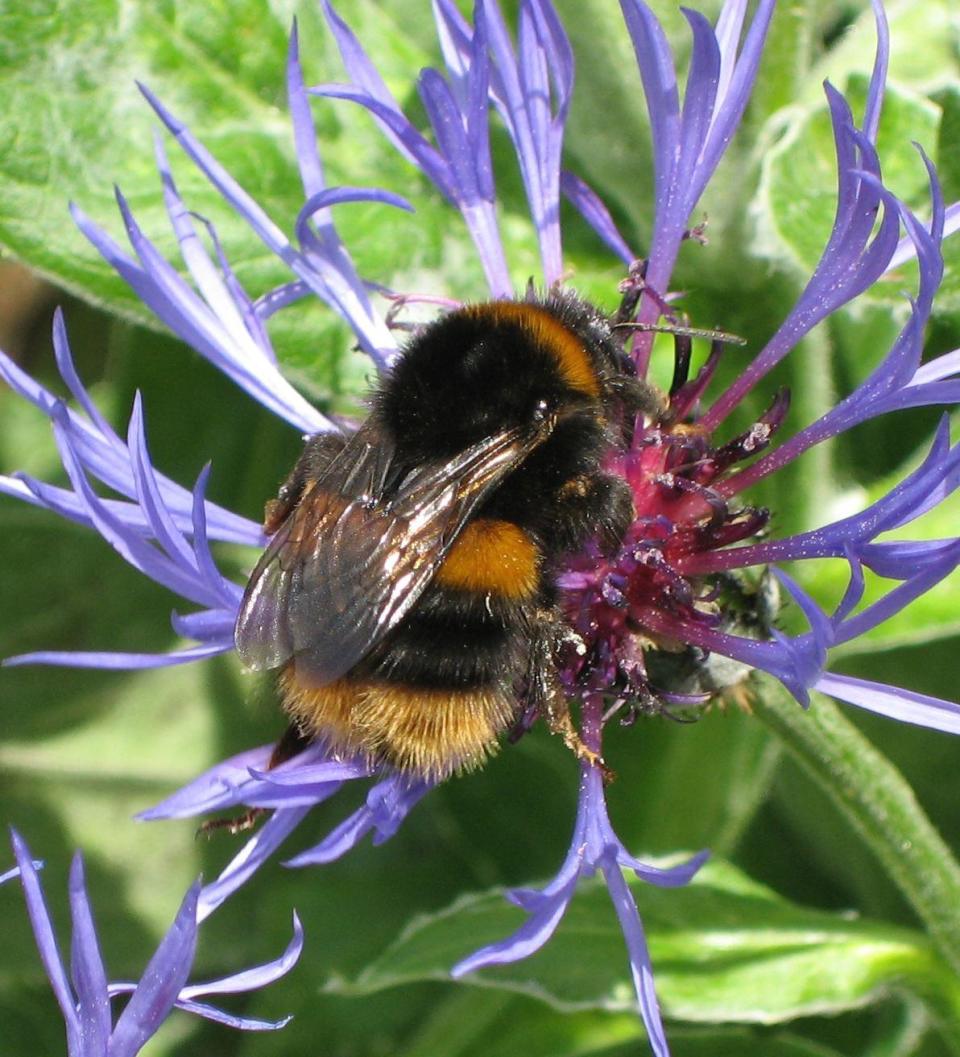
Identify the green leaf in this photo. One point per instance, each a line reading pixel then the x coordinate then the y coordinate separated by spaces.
pixel 923 52
pixel 725 751
pixel 480 1022
pixel 72 134
pixel 724 949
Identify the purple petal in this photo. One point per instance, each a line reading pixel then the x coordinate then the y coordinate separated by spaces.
pixel 734 88
pixel 527 940
pixel 332 770
pixel 47 942
pixel 249 980
pixel 907 249
pixel 388 804
pixel 728 29
pixel 414 145
pixel 904 705
pixel 86 966
pixel 700 95
pixel 120 662
pixel 878 78
pixel 474 105
pixel 853 595
pixel 359 67
pixel 68 372
pixel 148 494
pixel 304 134
pixel 881 390
pixel 162 981
pixel 139 553
pixel 256 977
pixel 900 597
pixel 664 876
pixel 590 206
pixel 280 297
pixel 455 38
pixel 106 457
pixel 850 263
pixel 900 560
pixel 640 968
pixel 338 284
pixel 324 248
pixel 937 369
pixel 521 90
pixel 211 790
pixel 445 119
pixel 223 293
pixel 228 591
pixel 659 77
pixel 67 505
pixel 230 1020
pixel 177 304
pixel 936 478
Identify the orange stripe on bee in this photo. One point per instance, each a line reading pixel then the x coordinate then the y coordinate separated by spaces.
pixel 321 711
pixel 552 336
pixel 424 731
pixel 429 732
pixel 491 555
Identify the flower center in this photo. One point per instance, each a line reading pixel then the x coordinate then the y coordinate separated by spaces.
pixel 640 616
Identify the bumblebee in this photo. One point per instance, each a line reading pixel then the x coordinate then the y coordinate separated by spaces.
pixel 406 596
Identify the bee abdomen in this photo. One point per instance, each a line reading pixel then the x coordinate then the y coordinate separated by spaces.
pixel 466 632
pixel 432 698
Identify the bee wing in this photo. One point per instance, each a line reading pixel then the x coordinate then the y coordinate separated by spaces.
pixel 263 634
pixel 349 563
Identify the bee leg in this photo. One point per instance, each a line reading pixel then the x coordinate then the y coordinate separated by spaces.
pixel 545 691
pixel 233 825
pixel 588 505
pixel 292 742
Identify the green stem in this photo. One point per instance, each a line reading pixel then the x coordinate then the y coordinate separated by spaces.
pixel 874 796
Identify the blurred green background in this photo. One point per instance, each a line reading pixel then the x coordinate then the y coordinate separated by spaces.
pixel 81 752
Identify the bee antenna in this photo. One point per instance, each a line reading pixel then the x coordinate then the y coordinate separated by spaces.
pixel 689 332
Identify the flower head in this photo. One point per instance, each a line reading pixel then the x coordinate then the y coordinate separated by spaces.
pixel 84 996
pixel 687 583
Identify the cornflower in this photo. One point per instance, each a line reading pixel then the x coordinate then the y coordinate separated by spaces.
pixel 652 615
pixel 84 996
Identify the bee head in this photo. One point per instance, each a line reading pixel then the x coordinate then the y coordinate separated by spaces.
pixel 478 371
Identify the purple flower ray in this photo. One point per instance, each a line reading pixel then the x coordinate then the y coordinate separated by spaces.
pixel 459 166
pixel 890 386
pixel 894 702
pixel 341 289
pixel 86 1007
pixel 936 478
pixel 853 259
pixel 689 144
pixel 106 456
pixel 591 207
pixel 388 803
pixel 594 846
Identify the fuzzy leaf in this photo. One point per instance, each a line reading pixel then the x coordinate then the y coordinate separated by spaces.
pixel 725 949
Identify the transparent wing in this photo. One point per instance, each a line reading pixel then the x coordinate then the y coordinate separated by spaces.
pixel 354 555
